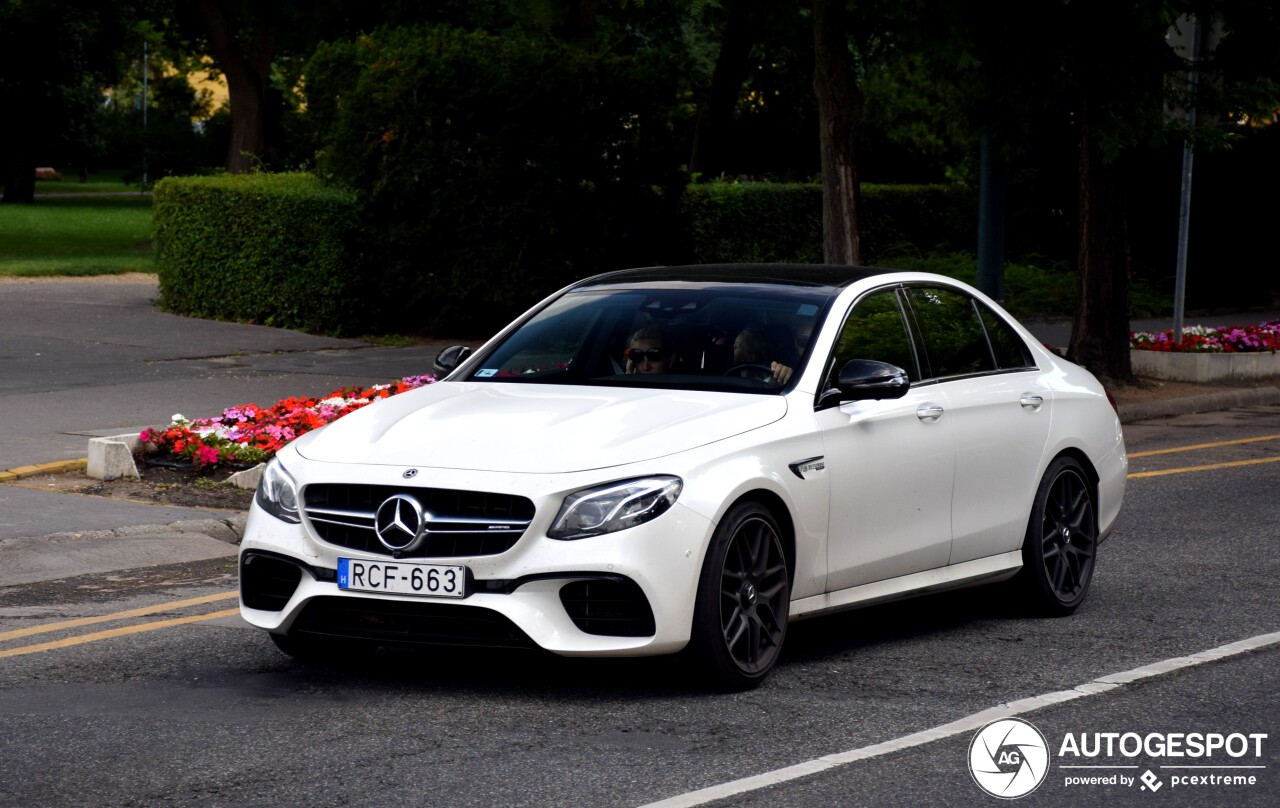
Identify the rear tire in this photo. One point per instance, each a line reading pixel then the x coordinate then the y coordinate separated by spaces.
pixel 1061 545
pixel 744 597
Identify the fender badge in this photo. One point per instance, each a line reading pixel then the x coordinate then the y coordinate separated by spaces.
pixel 799 467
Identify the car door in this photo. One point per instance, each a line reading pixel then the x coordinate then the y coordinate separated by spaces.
pixel 1000 410
pixel 890 462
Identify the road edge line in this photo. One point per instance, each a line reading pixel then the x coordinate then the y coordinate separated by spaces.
pixel 968 723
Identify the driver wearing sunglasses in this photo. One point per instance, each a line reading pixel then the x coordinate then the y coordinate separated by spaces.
pixel 649 351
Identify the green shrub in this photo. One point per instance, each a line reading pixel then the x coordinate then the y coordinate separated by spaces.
pixel 1035 287
pixel 493 169
pixel 274 249
pixel 754 222
pixel 760 221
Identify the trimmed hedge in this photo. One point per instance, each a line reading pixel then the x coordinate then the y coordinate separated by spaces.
pixel 272 249
pixel 760 221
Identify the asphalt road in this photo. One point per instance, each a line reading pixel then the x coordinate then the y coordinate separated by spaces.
pixel 185 705
pixel 81 359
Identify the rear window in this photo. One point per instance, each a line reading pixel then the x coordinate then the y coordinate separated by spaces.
pixel 954 337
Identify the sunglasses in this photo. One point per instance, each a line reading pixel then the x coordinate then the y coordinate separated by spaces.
pixel 652 354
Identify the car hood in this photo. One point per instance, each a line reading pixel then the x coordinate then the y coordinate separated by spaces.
pixel 532 428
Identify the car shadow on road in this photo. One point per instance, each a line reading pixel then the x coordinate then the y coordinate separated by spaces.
pixel 919 617
pixel 519 673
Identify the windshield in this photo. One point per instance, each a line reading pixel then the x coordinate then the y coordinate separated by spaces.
pixel 741 337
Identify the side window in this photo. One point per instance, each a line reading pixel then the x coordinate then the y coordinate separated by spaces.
pixel 1011 352
pixel 877 329
pixel 954 338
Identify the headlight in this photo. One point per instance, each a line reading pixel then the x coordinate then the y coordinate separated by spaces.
pixel 277 493
pixel 613 507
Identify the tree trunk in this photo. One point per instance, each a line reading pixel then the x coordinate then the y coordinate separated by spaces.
pixel 19 175
pixel 711 134
pixel 1100 333
pixel 839 103
pixel 248 77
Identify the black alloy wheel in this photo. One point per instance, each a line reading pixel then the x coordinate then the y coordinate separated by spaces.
pixel 744 597
pixel 1061 544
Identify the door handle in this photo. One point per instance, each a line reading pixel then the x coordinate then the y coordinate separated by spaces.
pixel 929 412
pixel 1031 401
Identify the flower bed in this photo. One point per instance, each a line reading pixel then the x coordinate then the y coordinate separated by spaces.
pixel 249 434
pixel 1206 354
pixel 1206 339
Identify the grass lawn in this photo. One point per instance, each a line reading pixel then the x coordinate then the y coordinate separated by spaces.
pixel 76 235
pixel 100 182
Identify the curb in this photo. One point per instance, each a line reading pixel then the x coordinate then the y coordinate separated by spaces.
pixel 59 467
pixel 229 530
pixel 1209 402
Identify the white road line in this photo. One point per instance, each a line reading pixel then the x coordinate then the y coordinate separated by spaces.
pixel 970 723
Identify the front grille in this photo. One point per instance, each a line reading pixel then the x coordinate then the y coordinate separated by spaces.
pixel 406 623
pixel 267 582
pixel 610 607
pixel 459 523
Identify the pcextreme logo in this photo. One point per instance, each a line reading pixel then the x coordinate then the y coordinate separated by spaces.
pixel 1010 758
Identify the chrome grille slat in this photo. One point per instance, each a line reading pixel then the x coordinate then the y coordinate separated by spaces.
pixel 459 523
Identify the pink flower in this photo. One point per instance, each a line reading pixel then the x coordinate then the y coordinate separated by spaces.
pixel 206 456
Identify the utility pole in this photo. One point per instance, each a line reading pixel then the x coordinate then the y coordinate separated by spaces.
pixel 991 213
pixel 144 115
pixel 1184 200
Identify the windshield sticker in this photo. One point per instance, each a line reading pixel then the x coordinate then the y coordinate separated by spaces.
pixel 486 373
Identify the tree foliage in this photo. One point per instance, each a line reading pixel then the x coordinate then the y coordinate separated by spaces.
pixel 493 169
pixel 53 53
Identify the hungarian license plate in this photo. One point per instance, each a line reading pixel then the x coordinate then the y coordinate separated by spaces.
pixel 402 578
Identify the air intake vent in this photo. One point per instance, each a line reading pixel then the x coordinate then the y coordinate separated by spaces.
pixel 404 623
pixel 267 582
pixel 609 607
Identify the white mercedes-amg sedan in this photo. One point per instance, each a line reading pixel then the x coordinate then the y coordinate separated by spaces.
pixel 675 458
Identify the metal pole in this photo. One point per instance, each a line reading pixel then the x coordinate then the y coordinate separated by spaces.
pixel 1184 202
pixel 991 210
pixel 144 115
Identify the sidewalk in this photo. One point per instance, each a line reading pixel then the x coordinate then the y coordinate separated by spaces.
pixel 93 358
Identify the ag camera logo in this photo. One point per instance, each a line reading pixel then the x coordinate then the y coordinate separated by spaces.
pixel 1009 758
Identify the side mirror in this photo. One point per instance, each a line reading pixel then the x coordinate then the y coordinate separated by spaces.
pixel 450 358
pixel 866 379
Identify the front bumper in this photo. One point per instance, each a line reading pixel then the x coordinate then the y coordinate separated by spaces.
pixel 621 594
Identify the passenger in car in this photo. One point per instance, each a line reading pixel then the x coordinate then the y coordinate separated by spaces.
pixel 754 345
pixel 649 350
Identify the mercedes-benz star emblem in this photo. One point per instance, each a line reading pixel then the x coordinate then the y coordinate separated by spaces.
pixel 399 523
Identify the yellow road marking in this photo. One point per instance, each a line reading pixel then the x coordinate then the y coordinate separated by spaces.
pixel 115 632
pixel 106 618
pixel 1203 446
pixel 1209 467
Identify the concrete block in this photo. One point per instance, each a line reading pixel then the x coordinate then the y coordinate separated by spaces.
pixel 1205 367
pixel 112 458
pixel 249 478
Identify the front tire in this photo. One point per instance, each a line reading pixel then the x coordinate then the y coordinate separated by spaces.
pixel 744 597
pixel 1061 545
